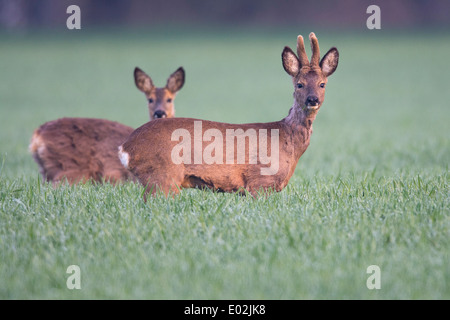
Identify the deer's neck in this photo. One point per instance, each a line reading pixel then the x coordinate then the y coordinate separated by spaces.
pixel 300 122
pixel 298 129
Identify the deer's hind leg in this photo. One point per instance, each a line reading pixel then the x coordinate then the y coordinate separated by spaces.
pixel 72 177
pixel 165 184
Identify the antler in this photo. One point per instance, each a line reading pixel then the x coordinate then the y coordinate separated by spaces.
pixel 315 58
pixel 301 52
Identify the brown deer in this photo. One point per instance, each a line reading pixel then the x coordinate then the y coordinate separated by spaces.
pixel 79 149
pixel 170 154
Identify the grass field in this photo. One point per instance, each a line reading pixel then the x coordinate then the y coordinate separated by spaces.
pixel 372 189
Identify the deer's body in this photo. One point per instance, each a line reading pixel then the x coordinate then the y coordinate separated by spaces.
pixel 81 149
pixel 154 162
pixel 153 151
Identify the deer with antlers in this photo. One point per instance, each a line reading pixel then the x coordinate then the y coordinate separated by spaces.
pixel 81 149
pixel 170 154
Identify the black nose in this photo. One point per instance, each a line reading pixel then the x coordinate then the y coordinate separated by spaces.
pixel 312 101
pixel 159 114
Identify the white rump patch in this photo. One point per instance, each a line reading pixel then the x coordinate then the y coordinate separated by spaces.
pixel 36 145
pixel 124 157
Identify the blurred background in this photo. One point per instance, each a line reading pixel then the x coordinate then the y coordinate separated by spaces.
pixel 24 14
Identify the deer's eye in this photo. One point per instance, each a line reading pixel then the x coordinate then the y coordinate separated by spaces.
pixel 169 100
pixel 322 85
pixel 299 85
pixel 150 100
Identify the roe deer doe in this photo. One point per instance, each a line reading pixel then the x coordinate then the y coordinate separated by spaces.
pixel 169 154
pixel 79 149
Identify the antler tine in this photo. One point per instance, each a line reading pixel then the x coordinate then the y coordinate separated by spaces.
pixel 301 52
pixel 315 58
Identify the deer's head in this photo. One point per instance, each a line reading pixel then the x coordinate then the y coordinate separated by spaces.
pixel 160 100
pixel 309 78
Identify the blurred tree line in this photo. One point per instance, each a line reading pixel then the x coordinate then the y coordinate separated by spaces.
pixel 23 14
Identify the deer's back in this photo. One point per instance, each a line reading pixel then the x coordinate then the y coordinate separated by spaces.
pixel 80 149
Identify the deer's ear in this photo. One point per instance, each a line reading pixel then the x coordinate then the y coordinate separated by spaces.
pixel 329 62
pixel 142 80
pixel 176 80
pixel 291 64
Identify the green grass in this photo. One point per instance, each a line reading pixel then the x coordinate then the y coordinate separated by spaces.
pixel 372 189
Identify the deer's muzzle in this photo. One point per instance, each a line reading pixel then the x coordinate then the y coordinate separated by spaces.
pixel 159 114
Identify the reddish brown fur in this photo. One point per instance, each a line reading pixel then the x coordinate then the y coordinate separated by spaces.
pixel 80 149
pixel 148 149
pixel 142 145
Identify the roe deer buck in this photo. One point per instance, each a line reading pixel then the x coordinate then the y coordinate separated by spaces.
pixel 79 149
pixel 162 155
